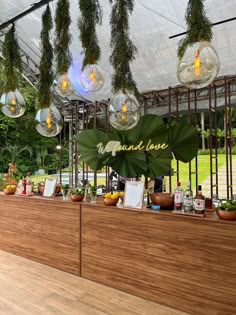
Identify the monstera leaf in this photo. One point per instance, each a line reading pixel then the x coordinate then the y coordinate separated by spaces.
pixel 183 140
pixel 129 163
pixel 160 163
pixel 87 146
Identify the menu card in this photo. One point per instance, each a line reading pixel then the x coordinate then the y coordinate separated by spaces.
pixel 133 194
pixel 49 187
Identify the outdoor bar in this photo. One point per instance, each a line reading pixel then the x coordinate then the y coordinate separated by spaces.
pixel 121 182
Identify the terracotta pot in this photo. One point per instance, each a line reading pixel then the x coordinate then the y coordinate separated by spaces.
pixel 226 215
pixel 76 197
pixel 110 202
pixel 165 200
pixel 8 192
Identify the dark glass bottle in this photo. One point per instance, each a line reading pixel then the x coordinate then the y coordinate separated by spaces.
pixel 199 202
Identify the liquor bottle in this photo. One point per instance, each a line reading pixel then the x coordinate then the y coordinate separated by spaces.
pixel 199 201
pixel 188 199
pixel 178 198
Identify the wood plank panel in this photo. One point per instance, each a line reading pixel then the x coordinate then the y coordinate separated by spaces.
pixel 187 263
pixel 44 230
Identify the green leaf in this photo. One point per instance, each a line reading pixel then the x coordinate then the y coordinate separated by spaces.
pixel 128 163
pixel 160 164
pixel 183 140
pixel 149 127
pixel 87 146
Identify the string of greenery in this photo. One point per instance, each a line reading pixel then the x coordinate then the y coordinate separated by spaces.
pixel 62 41
pixel 45 67
pixel 90 16
pixel 12 61
pixel 199 26
pixel 123 50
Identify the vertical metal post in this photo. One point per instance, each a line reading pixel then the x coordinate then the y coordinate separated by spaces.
pixel 210 141
pixel 169 123
pixel 75 144
pixel 226 137
pixel 60 157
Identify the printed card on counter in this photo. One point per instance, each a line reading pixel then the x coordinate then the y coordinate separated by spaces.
pixel 133 194
pixel 49 187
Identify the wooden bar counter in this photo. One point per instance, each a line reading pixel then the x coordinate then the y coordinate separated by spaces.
pixel 41 229
pixel 186 263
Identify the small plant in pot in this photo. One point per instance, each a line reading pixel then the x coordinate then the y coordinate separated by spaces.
pixel 77 194
pixel 227 210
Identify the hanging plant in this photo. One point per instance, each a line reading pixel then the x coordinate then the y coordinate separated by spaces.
pixel 90 17
pixel 199 27
pixel 123 50
pixel 45 68
pixel 63 37
pixel 138 156
pixel 12 60
pixel 62 83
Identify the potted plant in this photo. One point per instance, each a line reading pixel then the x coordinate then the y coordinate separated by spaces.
pixel 65 191
pixel 227 210
pixel 77 194
pixel 93 194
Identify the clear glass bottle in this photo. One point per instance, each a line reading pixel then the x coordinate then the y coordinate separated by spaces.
pixel 188 199
pixel 199 201
pixel 178 198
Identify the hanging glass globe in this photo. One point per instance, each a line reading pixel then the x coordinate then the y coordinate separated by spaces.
pixel 48 121
pixel 62 85
pixel 91 78
pixel 13 104
pixel 199 66
pixel 124 111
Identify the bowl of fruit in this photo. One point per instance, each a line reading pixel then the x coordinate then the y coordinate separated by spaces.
pixel 10 190
pixel 227 210
pixel 77 194
pixel 111 198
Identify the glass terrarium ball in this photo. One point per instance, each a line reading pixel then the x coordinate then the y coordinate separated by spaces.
pixel 124 111
pixel 91 78
pixel 62 85
pixel 48 121
pixel 199 66
pixel 13 104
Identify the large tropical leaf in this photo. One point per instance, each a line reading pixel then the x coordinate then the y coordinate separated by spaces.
pixel 148 127
pixel 129 163
pixel 160 163
pixel 87 146
pixel 183 140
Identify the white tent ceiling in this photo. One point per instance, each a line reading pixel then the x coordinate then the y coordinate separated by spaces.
pixel 151 24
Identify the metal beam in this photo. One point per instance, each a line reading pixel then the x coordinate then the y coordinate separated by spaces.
pixel 34 7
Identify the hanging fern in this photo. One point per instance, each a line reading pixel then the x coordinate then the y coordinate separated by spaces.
pixel 90 16
pixel 123 50
pixel 199 26
pixel 12 60
pixel 63 38
pixel 45 68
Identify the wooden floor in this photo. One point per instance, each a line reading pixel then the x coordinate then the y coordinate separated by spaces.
pixel 31 288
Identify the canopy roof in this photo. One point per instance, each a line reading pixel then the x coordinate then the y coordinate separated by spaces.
pixel 151 24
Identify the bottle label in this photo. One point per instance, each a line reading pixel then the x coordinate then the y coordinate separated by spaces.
pixel 188 200
pixel 199 204
pixel 178 197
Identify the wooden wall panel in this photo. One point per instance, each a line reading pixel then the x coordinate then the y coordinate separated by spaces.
pixel 43 230
pixel 186 263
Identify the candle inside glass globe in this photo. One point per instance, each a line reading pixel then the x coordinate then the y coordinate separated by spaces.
pixel 13 104
pixel 199 66
pixel 91 78
pixel 48 121
pixel 63 85
pixel 124 111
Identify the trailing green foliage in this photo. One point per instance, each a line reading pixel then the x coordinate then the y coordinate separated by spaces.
pixel 12 60
pixel 182 140
pixel 45 68
pixel 199 27
pixel 123 50
pixel 90 16
pixel 63 37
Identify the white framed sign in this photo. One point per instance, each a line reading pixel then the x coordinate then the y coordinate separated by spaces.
pixel 133 197
pixel 49 187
